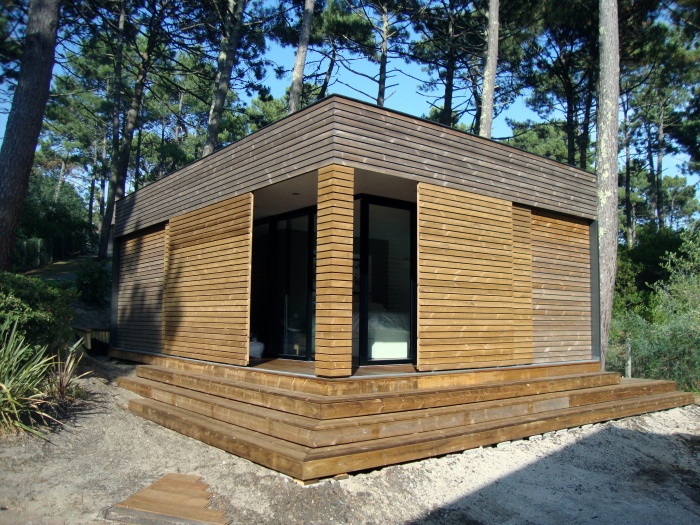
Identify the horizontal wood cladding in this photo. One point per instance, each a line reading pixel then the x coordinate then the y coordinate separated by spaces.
pixel 206 302
pixel 346 132
pixel 467 311
pixel 334 252
pixel 292 146
pixel 377 139
pixel 561 288
pixel 141 290
pixel 522 278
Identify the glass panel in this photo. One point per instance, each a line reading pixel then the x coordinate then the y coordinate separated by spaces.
pixel 356 284
pixel 292 262
pixel 389 283
pixel 261 288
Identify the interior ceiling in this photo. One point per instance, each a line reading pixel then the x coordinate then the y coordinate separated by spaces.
pixel 301 191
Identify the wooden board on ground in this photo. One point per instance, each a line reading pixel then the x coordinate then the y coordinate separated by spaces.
pixel 174 498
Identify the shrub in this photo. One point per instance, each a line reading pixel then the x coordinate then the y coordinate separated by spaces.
pixel 41 312
pixel 23 371
pixel 63 377
pixel 93 281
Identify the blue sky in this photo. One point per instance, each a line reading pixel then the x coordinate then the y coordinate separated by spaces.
pixel 405 97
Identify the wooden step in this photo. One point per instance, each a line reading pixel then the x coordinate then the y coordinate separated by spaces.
pixel 359 385
pixel 307 463
pixel 327 407
pixel 314 433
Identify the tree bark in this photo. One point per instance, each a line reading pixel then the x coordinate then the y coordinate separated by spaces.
pixel 228 48
pixel 490 63
pixel 300 61
pixel 383 57
pixel 25 118
pixel 329 71
pixel 106 229
pixel 659 168
pixel 606 162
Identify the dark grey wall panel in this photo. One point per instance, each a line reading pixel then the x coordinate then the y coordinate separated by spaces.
pixel 377 139
pixel 343 131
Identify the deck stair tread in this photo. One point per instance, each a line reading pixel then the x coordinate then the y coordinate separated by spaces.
pixel 329 407
pixel 314 432
pixel 357 384
pixel 307 463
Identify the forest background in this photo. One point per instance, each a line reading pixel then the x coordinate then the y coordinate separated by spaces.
pixel 142 87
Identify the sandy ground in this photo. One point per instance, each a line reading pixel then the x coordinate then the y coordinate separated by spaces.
pixel 637 470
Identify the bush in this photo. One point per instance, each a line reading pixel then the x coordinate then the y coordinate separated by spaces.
pixel 665 345
pixel 41 312
pixel 23 372
pixel 93 281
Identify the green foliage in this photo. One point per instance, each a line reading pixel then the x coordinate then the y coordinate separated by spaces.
pixel 548 139
pixel 23 371
pixel 665 344
pixel 62 380
pixel 41 311
pixel 93 281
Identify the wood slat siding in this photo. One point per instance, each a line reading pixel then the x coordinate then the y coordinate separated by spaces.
pixel 290 147
pixel 206 305
pixel 377 139
pixel 522 278
pixel 467 316
pixel 334 252
pixel 141 291
pixel 343 131
pixel 561 288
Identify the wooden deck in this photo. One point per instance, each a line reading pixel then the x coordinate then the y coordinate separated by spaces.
pixel 277 414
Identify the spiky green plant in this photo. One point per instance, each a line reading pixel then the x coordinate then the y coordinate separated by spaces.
pixel 23 372
pixel 63 376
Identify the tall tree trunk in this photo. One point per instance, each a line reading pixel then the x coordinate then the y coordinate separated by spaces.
pixel 490 63
pixel 25 118
pixel 659 169
pixel 628 177
pixel 300 61
pixel 329 71
pixel 228 48
pixel 606 162
pixel 585 138
pixel 106 230
pixel 446 116
pixel 137 162
pixel 383 57
pixel 93 182
pixel 570 129
pixel 653 190
pixel 59 182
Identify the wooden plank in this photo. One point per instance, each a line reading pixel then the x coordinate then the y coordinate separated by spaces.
pixel 336 190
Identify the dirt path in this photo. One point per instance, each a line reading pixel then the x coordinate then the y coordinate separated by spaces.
pixel 637 470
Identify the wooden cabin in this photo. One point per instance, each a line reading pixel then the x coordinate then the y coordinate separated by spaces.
pixel 352 287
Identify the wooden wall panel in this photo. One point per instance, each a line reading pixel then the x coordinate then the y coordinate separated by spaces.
pixel 522 279
pixel 140 291
pixel 382 140
pixel 345 131
pixel 206 309
pixel 466 313
pixel 561 295
pixel 334 252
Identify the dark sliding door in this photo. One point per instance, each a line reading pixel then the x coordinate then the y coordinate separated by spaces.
pixel 283 285
pixel 384 285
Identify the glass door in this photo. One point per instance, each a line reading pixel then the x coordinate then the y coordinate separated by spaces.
pixel 283 285
pixel 384 290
